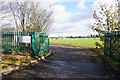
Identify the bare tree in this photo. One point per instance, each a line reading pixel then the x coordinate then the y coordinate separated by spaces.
pixel 28 16
pixel 106 20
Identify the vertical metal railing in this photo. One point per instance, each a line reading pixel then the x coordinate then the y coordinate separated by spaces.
pixel 10 42
pixel 112 45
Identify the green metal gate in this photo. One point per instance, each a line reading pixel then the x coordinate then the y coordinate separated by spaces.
pixel 112 45
pixel 39 43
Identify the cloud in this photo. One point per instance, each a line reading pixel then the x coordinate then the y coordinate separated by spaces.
pixel 45 4
pixel 60 15
pixel 81 4
pixel 68 22
pixel 78 16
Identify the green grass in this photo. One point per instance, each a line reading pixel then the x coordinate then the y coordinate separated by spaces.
pixel 79 42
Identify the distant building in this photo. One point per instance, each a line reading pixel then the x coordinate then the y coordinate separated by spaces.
pixel 61 37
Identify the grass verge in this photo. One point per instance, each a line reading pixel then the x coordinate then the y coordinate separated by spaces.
pixel 77 42
pixel 10 60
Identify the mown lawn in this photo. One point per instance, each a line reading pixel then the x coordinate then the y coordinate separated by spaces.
pixel 78 42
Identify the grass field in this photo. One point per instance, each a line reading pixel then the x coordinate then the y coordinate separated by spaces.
pixel 79 42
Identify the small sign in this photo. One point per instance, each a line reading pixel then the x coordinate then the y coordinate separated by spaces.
pixel 24 39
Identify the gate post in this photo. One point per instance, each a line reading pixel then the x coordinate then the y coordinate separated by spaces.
pixel 42 43
pixel 110 44
pixel 104 43
pixel 48 45
pixel 32 42
pixel 0 43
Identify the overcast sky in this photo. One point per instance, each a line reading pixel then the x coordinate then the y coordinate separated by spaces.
pixel 71 17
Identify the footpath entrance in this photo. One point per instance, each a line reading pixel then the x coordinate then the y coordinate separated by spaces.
pixel 67 63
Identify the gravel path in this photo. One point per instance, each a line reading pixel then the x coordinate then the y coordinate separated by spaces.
pixel 66 63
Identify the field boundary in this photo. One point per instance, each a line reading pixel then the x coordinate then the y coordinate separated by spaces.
pixel 69 46
pixel 77 42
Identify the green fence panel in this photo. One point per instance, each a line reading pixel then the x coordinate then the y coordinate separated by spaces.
pixel 112 45
pixel 38 45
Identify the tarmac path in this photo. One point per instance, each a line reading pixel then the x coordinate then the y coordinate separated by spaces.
pixel 66 63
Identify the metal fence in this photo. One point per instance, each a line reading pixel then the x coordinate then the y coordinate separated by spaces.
pixel 33 43
pixel 112 45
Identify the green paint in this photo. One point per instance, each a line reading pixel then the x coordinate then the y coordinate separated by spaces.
pixel 37 42
pixel 112 45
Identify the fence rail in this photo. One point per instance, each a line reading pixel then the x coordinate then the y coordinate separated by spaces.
pixel 112 45
pixel 24 42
